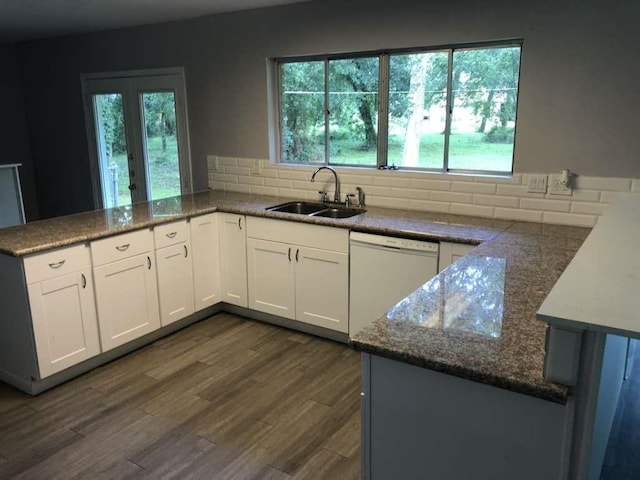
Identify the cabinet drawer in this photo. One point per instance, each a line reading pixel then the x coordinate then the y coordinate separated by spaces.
pixel 170 233
pixel 303 234
pixel 122 246
pixel 56 263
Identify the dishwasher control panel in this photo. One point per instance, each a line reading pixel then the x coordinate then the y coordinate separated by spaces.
pixel 393 242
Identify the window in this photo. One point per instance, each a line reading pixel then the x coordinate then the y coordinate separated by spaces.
pixel 442 110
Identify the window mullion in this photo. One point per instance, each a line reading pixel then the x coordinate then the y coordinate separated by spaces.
pixel 326 111
pixel 383 110
pixel 449 112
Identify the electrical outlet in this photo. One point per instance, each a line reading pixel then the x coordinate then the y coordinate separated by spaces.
pixel 537 184
pixel 212 163
pixel 556 187
pixel 255 167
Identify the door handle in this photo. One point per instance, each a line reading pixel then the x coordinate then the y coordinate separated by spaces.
pixel 289 254
pixel 132 186
pixel 148 262
pixel 84 281
pixel 186 252
pixel 240 223
pixel 297 254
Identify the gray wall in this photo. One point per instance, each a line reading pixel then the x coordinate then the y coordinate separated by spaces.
pixel 13 128
pixel 579 94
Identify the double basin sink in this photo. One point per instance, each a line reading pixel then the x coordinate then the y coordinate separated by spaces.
pixel 316 209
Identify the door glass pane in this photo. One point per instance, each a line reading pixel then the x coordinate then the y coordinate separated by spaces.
pixel 112 149
pixel 353 107
pixel 302 112
pixel 484 93
pixel 161 144
pixel 417 109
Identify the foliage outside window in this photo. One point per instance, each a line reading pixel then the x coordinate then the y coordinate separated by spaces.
pixel 442 110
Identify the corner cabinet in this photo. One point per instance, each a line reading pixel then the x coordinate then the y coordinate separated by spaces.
pixel 233 258
pixel 205 258
pixel 299 271
pixel 126 287
pixel 63 311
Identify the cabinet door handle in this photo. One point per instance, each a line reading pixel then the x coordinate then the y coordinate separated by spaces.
pixel 289 254
pixel 171 235
pixel 149 262
pixel 186 252
pixel 122 248
pixel 240 223
pixel 84 281
pixel 57 264
pixel 297 254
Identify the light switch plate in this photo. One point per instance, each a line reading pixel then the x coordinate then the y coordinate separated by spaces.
pixel 537 184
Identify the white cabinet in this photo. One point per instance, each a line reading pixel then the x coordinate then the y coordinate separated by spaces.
pixel 63 311
pixel 233 258
pixel 125 287
pixel 451 252
pixel 299 271
pixel 205 257
pixel 175 271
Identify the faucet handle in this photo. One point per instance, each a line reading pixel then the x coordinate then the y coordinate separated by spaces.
pixel 347 200
pixel 323 196
pixel 360 197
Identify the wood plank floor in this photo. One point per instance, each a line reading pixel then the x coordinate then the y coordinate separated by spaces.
pixel 227 398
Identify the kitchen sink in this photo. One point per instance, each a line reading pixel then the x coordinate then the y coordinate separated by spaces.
pixel 315 209
pixel 302 208
pixel 338 212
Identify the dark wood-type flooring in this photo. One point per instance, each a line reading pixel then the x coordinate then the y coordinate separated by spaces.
pixel 227 398
pixel 622 460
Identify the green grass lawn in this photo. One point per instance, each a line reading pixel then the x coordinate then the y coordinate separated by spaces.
pixel 466 151
pixel 163 171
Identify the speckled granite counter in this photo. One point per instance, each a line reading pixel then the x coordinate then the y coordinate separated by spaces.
pixel 475 320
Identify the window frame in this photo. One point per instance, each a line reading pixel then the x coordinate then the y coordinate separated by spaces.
pixel 383 103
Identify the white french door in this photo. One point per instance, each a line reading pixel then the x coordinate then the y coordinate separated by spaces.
pixel 138 139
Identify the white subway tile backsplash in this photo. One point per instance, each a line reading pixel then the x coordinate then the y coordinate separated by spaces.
pixel 430 184
pixel 484 196
pixel 227 161
pixel 486 188
pixel 236 187
pixel 496 201
pixel 569 219
pixel 260 190
pixel 588 208
pixel 452 197
pixel 545 205
pixel 603 183
pixel 517 214
pixel 473 210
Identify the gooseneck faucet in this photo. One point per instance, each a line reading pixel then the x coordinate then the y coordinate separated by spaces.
pixel 336 196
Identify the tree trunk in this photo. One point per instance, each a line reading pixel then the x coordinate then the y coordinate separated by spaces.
pixel 370 137
pixel 411 150
pixel 486 112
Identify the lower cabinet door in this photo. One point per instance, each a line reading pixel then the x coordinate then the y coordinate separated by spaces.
pixel 175 283
pixel 322 288
pixel 270 267
pixel 205 258
pixel 126 299
pixel 64 320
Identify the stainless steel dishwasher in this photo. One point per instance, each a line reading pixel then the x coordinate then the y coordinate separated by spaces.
pixel 384 270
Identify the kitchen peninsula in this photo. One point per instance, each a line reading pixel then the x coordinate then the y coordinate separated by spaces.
pixel 474 323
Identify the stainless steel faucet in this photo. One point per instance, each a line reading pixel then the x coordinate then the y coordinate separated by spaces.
pixel 336 195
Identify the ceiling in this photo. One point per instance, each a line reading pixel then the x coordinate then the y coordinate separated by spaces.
pixel 35 19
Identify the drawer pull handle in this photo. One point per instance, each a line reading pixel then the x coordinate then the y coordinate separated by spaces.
pixel 57 264
pixel 149 262
pixel 289 254
pixel 122 248
pixel 186 252
pixel 297 255
pixel 84 281
pixel 171 235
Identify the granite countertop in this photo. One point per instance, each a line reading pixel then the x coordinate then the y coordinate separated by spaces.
pixel 477 319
